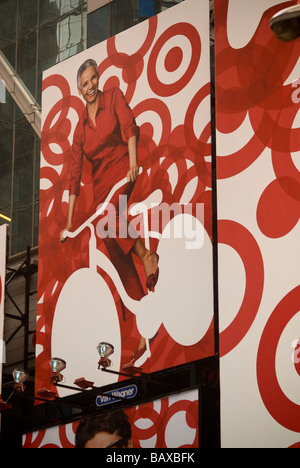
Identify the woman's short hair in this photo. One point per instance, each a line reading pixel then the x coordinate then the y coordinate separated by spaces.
pixel 88 63
pixel 110 422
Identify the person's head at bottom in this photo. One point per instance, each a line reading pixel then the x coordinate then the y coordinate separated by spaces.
pixel 110 430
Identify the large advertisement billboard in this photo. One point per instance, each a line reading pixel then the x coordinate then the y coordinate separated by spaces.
pixel 125 243
pixel 258 144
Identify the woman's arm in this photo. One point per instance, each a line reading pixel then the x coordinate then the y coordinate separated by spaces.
pixel 133 172
pixel 75 177
pixel 71 209
pixel 129 131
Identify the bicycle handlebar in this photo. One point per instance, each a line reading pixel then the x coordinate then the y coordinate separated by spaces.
pixel 102 208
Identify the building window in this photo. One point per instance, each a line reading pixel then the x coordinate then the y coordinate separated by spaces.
pixel 71 27
pixel 117 15
pixel 34 36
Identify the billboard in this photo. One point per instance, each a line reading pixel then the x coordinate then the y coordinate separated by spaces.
pixel 3 240
pixel 258 144
pixel 125 242
pixel 153 425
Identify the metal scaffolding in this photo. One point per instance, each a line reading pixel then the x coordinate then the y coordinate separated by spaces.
pixel 20 94
pixel 21 317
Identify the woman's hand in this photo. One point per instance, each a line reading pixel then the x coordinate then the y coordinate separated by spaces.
pixel 71 209
pixel 133 173
pixel 62 238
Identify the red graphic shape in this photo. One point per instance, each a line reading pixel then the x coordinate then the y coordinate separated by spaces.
pixel 295 446
pixel 160 420
pixel 36 443
pixel 240 239
pixel 278 211
pixel 173 59
pixel 252 80
pixel 179 29
pixel 281 408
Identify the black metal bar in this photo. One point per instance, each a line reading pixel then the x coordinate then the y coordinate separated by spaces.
pixel 14 317
pixel 13 334
pixel 143 377
pixel 16 305
pixel 209 395
pixel 214 202
pixel 59 402
pixel 15 273
pixel 92 390
pixel 27 308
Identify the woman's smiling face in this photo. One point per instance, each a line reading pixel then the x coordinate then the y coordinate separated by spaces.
pixel 89 83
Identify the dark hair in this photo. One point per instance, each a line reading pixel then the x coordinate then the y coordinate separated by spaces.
pixel 109 422
pixel 88 63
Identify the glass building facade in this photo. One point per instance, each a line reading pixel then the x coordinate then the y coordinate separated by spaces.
pixel 35 35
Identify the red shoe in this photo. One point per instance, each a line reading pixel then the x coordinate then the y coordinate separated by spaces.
pixel 152 279
pixel 136 355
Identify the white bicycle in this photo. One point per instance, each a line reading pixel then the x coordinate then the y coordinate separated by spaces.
pixel 86 312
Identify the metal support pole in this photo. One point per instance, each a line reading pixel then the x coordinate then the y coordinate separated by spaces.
pixel 27 308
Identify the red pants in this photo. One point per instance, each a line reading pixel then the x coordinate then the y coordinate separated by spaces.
pixel 118 236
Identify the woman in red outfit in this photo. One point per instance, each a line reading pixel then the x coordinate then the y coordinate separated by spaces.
pixel 106 134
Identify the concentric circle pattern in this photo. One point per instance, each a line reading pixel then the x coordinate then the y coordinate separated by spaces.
pixel 258 148
pixel 163 68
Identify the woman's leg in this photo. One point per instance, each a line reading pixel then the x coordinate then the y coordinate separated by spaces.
pixel 148 258
pixel 120 249
pixel 123 235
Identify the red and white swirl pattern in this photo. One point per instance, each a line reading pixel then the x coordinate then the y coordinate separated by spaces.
pixel 258 163
pixel 162 66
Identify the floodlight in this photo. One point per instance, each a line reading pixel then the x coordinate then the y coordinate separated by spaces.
pixel 20 376
pixel 105 350
pixel 57 365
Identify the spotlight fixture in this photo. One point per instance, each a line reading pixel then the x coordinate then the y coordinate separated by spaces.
pixel 105 350
pixel 57 365
pixel 286 23
pixel 20 376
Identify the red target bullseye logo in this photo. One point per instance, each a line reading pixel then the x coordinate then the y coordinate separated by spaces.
pixel 174 58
